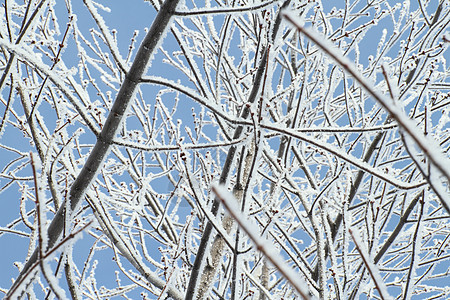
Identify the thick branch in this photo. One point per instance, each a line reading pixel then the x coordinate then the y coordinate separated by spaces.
pixel 104 140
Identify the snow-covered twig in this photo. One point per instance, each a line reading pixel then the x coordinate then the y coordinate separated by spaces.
pixel 17 287
pixel 416 245
pixel 107 35
pixel 397 229
pixel 363 165
pixel 126 249
pixel 234 10
pixel 42 233
pixel 155 80
pixel 54 77
pixel 258 284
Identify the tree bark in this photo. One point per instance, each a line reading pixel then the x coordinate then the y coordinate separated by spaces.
pixel 104 139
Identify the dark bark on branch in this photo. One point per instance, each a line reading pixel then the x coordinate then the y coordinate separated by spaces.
pixel 398 228
pixel 104 140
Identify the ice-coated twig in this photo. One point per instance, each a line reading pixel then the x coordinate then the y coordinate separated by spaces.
pixel 22 281
pixel 155 80
pixel 36 13
pixel 429 146
pixel 263 245
pixel 363 165
pixel 54 77
pixel 126 249
pixel 196 190
pixel 254 92
pixel 416 243
pixel 42 234
pixel 398 228
pixel 258 284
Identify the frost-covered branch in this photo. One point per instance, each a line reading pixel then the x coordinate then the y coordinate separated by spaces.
pixel 429 146
pixel 235 10
pixel 373 270
pixel 237 96
pixel 261 244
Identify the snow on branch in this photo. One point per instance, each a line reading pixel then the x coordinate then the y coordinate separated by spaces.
pixel 107 35
pixel 54 77
pixel 347 157
pixel 155 80
pixel 102 147
pixel 234 10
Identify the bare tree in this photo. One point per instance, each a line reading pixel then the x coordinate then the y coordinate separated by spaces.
pixel 324 131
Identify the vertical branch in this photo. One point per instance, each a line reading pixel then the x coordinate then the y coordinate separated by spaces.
pixel 42 234
pixel 199 258
pixel 70 277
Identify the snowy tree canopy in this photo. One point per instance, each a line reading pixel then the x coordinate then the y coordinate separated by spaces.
pixel 227 149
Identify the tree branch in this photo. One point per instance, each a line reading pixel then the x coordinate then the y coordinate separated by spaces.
pixel 112 124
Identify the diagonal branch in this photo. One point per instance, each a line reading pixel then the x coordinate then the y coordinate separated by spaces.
pixel 261 244
pixel 104 139
pixel 429 146
pixel 371 267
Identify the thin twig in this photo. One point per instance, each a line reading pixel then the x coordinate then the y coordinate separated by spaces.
pixel 97 156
